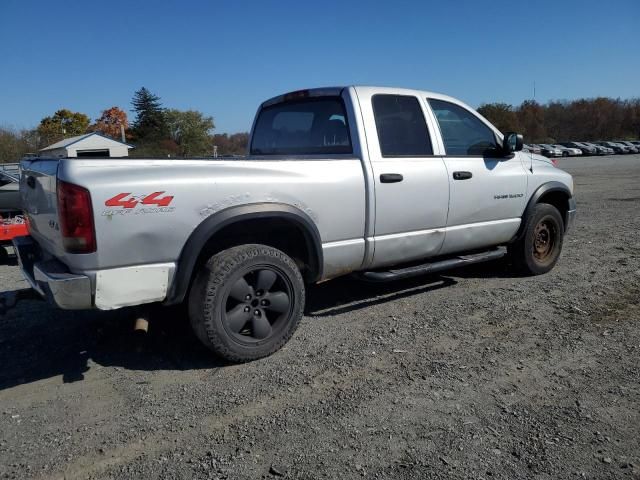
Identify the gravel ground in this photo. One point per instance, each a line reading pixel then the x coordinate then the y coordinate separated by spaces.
pixel 471 374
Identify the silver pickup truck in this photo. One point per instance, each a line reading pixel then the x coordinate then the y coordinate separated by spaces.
pixel 387 183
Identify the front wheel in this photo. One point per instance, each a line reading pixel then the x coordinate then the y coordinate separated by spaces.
pixel 538 250
pixel 246 302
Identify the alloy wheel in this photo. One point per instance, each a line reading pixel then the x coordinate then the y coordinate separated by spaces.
pixel 257 304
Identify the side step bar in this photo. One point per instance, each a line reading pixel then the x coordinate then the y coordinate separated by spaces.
pixel 433 267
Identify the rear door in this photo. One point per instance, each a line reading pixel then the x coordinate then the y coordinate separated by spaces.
pixel 411 185
pixel 487 189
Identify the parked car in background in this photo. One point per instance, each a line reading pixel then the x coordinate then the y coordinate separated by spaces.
pixel 532 148
pixel 607 150
pixel 636 143
pixel 632 147
pixel 567 151
pixel 549 150
pixel 600 149
pixel 617 147
pixel 584 148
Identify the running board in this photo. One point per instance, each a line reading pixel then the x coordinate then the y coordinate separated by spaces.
pixel 439 266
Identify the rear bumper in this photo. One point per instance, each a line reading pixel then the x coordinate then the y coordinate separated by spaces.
pixel 52 279
pixel 571 214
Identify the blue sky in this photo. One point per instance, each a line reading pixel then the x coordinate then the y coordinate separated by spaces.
pixel 225 57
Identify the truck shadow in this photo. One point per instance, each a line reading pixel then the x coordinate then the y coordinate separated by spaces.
pixel 38 342
pixel 348 294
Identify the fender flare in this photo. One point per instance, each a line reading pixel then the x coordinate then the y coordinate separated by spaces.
pixel 224 218
pixel 542 190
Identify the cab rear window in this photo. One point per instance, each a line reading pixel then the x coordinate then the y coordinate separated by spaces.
pixel 312 126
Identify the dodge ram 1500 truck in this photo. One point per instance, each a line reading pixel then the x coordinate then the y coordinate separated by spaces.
pixel 387 183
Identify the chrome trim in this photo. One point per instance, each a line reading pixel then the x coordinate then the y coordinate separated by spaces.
pixel 66 290
pixel 51 279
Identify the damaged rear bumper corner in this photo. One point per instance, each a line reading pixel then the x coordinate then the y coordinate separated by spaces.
pixel 51 279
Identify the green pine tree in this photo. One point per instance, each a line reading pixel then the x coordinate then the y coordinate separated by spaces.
pixel 149 124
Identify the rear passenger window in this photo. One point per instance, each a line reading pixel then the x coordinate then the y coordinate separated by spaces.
pixel 462 132
pixel 402 130
pixel 311 126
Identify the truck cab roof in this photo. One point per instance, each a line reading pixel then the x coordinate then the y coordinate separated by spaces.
pixel 337 91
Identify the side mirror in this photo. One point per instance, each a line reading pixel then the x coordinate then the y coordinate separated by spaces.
pixel 512 142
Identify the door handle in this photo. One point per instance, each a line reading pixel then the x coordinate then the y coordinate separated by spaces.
pixel 390 178
pixel 462 175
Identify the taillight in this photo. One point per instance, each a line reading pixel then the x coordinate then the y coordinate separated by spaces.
pixel 76 218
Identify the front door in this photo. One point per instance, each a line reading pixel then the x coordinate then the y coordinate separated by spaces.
pixel 487 189
pixel 411 184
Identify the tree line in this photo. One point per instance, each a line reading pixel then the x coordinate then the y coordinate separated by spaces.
pixel 158 131
pixel 573 120
pixel 155 131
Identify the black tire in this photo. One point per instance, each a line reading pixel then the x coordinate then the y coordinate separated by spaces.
pixel 4 256
pixel 565 154
pixel 246 302
pixel 538 250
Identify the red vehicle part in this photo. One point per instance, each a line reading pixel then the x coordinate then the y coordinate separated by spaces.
pixel 9 229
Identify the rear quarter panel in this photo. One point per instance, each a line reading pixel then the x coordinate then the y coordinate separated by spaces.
pixel 331 192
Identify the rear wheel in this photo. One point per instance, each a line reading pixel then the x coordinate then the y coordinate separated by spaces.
pixel 538 250
pixel 246 302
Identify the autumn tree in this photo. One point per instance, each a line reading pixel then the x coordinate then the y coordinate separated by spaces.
pixel 557 121
pixel 63 123
pixel 531 116
pixel 583 119
pixel 234 144
pixel 110 123
pixel 631 120
pixel 502 115
pixel 190 130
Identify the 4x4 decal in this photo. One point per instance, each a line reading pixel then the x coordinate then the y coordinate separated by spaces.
pixel 154 198
pixel 124 204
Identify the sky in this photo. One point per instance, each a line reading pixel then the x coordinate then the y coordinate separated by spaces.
pixel 225 57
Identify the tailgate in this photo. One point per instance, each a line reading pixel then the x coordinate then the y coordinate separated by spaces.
pixel 40 204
